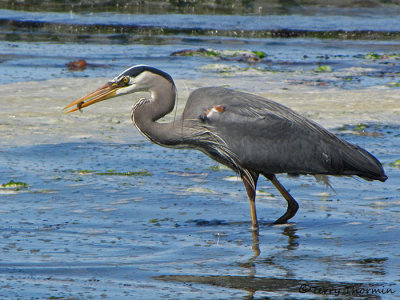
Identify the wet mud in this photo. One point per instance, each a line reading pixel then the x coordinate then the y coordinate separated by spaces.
pixel 104 213
pixel 91 209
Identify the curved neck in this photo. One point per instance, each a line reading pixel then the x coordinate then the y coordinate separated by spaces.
pixel 146 113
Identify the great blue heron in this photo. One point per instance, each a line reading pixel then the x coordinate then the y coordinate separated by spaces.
pixel 249 134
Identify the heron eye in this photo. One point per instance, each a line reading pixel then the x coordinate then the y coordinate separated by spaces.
pixel 125 80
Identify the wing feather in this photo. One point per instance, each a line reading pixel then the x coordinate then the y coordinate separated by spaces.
pixel 268 137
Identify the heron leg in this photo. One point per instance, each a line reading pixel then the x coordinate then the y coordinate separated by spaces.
pixel 256 244
pixel 251 193
pixel 293 206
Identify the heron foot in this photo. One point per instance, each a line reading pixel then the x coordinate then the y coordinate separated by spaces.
pixel 293 206
pixel 280 221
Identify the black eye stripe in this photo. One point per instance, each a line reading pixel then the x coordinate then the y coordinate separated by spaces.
pixel 137 70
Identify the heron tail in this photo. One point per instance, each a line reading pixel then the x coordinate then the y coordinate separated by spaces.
pixel 357 161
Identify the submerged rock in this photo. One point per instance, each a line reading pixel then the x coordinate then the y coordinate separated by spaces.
pixel 248 56
pixel 77 65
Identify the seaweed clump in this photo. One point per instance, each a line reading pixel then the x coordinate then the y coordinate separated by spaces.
pixel 248 56
pixel 14 185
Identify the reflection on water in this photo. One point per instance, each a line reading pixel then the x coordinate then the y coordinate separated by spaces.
pixel 288 230
pixel 258 285
pixel 86 234
pixel 297 288
pixel 93 220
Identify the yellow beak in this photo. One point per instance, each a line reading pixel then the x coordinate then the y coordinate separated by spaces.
pixel 105 92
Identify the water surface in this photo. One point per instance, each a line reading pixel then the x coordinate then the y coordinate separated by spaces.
pixel 107 214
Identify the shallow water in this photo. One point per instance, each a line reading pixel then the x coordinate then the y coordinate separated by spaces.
pixel 78 232
pixel 107 214
pixel 42 48
pixel 367 21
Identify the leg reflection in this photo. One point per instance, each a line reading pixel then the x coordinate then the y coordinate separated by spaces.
pixel 290 232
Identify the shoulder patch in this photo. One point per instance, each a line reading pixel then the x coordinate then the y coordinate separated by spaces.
pixel 215 110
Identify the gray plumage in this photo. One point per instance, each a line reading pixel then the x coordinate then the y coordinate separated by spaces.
pixel 268 137
pixel 250 134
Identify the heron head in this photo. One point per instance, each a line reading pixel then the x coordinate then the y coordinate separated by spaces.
pixel 135 79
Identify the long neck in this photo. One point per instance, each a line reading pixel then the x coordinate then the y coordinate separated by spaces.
pixel 146 113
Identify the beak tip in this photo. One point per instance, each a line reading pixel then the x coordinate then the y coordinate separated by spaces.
pixel 72 104
pixel 71 110
pixel 100 94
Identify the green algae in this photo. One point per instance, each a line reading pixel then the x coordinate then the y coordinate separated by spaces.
pixel 395 164
pixel 110 172
pixel 394 56
pixel 15 185
pixel 324 69
pixel 129 173
pixel 236 55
